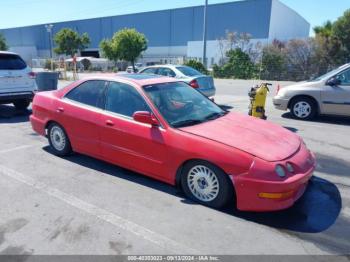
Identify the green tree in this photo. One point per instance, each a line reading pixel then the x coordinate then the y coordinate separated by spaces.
pixel 273 63
pixel 69 42
pixel 126 44
pixel 239 65
pixel 197 65
pixel 341 31
pixel 3 45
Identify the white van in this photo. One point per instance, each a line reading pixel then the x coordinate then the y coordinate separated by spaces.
pixel 17 81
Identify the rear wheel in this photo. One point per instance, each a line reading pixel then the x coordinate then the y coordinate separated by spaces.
pixel 21 104
pixel 303 108
pixel 206 184
pixel 59 140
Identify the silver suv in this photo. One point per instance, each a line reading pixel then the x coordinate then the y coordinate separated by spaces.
pixel 17 81
pixel 326 95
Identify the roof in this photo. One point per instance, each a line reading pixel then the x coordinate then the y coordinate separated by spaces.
pixel 138 79
pixel 7 53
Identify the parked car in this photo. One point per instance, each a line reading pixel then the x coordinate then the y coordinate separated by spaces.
pixel 130 69
pixel 163 128
pixel 203 83
pixel 17 81
pixel 326 95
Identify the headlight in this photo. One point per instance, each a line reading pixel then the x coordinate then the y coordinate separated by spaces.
pixel 290 168
pixel 280 171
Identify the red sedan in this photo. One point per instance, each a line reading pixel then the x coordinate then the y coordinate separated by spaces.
pixel 167 130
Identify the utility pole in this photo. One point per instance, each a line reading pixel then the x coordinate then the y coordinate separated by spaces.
pixel 49 30
pixel 205 34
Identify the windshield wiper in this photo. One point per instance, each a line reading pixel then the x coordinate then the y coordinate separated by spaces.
pixel 188 122
pixel 215 115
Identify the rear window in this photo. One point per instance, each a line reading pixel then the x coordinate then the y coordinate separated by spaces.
pixel 11 62
pixel 188 71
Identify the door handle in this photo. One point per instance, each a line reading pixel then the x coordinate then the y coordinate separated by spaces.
pixel 60 110
pixel 109 123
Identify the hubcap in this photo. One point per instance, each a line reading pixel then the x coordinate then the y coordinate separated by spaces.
pixel 203 183
pixel 58 138
pixel 302 109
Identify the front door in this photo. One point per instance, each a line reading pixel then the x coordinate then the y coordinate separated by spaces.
pixel 128 143
pixel 336 99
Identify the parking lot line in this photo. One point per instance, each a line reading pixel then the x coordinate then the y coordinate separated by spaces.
pixel 158 239
pixel 15 149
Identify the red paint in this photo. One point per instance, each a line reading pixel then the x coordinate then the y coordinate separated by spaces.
pixel 247 149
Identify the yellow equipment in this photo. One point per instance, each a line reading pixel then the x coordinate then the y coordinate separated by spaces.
pixel 258 96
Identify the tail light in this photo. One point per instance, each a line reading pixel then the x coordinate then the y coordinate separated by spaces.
pixel 194 83
pixel 32 75
pixel 278 89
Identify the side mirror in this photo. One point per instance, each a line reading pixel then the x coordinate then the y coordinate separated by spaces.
pixel 146 118
pixel 333 81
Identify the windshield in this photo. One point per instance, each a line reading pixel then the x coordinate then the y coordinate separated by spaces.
pixel 329 74
pixel 181 105
pixel 188 71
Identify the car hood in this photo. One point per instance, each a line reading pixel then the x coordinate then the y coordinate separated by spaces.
pixel 257 137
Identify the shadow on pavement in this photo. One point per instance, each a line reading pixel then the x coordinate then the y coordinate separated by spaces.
pixel 336 120
pixel 292 129
pixel 9 114
pixel 332 165
pixel 315 212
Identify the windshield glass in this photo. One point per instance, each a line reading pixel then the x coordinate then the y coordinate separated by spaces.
pixel 329 74
pixel 188 71
pixel 181 105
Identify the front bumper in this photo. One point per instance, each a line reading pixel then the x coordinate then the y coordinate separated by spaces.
pixel 256 194
pixel 280 103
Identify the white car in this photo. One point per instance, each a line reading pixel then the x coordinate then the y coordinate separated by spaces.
pixel 17 81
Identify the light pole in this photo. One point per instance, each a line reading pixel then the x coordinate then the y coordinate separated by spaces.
pixel 205 35
pixel 49 30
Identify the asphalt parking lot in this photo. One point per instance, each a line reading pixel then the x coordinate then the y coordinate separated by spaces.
pixel 79 205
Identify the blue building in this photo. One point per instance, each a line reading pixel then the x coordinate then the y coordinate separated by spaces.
pixel 176 33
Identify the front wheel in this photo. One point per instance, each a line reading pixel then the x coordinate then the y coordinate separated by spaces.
pixel 59 140
pixel 21 104
pixel 303 108
pixel 206 184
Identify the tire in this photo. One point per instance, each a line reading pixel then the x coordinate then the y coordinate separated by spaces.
pixel 21 104
pixel 199 176
pixel 59 140
pixel 303 108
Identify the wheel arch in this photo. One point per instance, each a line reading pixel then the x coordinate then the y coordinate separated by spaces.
pixel 180 168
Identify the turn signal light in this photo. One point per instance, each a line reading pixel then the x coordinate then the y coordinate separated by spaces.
pixel 276 195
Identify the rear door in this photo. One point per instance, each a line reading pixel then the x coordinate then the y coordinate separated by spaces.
pixel 79 112
pixel 336 99
pixel 14 74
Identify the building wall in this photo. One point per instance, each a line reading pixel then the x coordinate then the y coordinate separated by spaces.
pixel 285 23
pixel 176 32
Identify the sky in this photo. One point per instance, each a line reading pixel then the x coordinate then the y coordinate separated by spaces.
pixel 16 13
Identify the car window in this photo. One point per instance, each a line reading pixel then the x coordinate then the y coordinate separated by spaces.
pixel 151 70
pixel 344 77
pixel 188 71
pixel 123 99
pixel 11 62
pixel 89 93
pixel 166 72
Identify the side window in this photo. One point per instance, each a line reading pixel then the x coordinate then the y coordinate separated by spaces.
pixel 344 77
pixel 151 70
pixel 124 100
pixel 88 93
pixel 166 72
